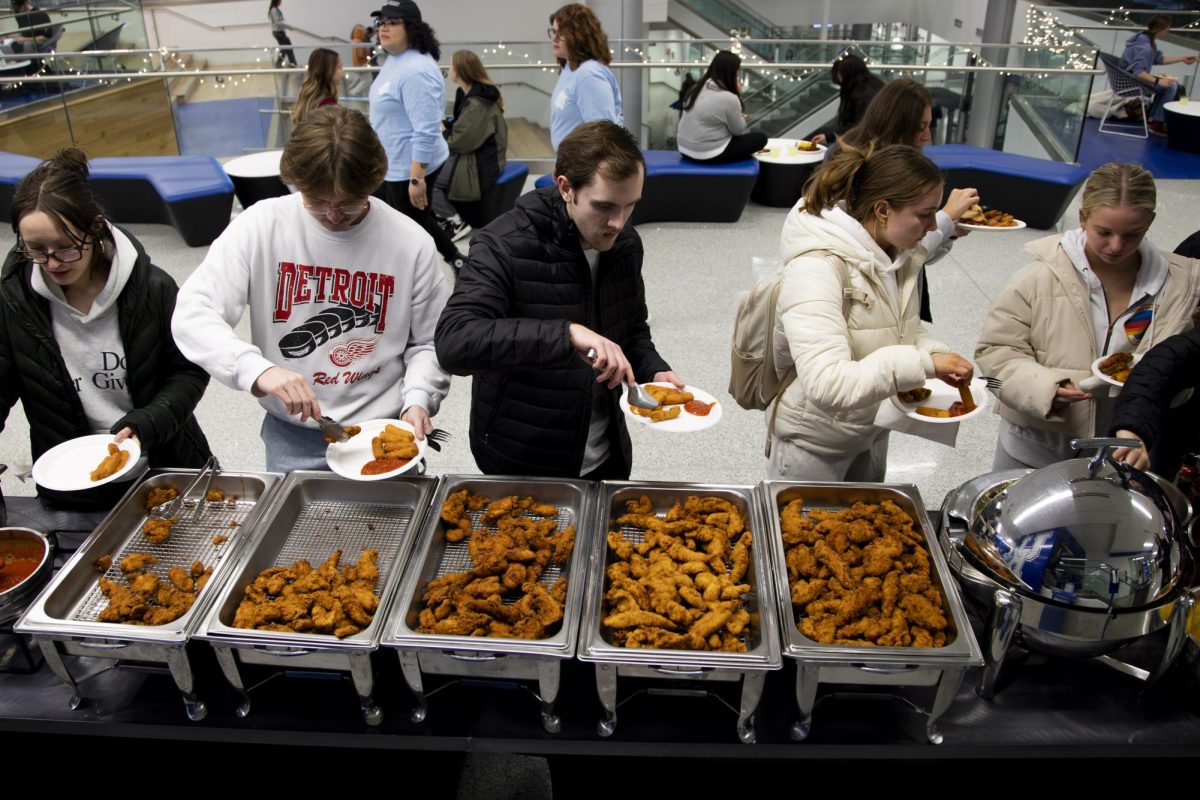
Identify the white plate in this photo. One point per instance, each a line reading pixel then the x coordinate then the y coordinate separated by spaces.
pixel 685 422
pixel 1096 369
pixel 971 227
pixel 68 467
pixel 943 395
pixel 347 458
pixel 779 152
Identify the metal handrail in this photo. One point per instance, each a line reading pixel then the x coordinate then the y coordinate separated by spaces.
pixel 615 65
pixel 244 26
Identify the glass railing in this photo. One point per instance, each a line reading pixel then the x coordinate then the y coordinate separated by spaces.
pixel 245 106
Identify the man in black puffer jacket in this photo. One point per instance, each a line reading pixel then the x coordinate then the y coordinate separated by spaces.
pixel 557 277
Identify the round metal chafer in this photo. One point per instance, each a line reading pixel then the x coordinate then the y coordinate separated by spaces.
pixel 1079 558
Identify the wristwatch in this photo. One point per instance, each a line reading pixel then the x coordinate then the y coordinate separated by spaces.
pixel 416 181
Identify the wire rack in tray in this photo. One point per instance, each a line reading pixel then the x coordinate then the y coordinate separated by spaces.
pixel 456 558
pixel 190 540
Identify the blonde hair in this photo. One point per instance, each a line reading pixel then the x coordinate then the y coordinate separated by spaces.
pixel 318 82
pixel 861 177
pixel 470 69
pixel 1119 185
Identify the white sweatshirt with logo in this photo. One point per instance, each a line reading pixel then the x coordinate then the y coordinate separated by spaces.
pixel 352 311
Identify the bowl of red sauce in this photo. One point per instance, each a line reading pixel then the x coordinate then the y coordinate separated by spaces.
pixel 25 566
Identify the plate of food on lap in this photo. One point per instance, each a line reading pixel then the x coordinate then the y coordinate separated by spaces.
pixel 381 449
pixel 86 462
pixel 939 402
pixel 979 219
pixel 680 410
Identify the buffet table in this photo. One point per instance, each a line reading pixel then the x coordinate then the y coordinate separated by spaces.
pixel 1046 708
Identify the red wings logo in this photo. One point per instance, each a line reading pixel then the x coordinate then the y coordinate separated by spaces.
pixel 346 354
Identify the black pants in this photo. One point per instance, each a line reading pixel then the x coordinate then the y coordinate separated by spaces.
pixel 740 148
pixel 395 194
pixel 285 54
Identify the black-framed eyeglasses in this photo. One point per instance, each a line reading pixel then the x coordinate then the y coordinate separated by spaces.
pixel 65 255
pixel 383 22
pixel 322 210
pixel 554 33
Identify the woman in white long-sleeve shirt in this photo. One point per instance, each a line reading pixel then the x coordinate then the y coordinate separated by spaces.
pixel 848 312
pixel 713 127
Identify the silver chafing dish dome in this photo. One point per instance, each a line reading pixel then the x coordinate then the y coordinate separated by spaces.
pixel 1080 557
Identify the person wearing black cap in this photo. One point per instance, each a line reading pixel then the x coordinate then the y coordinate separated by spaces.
pixel 408 99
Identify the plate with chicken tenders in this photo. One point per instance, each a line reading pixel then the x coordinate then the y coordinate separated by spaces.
pixel 680 410
pixel 383 448
pixel 1114 369
pixel 86 462
pixel 939 402
pixel 979 219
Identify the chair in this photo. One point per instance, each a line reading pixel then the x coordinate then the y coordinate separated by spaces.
pixel 1125 86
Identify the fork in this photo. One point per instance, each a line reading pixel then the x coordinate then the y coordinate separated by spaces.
pixel 992 383
pixel 436 438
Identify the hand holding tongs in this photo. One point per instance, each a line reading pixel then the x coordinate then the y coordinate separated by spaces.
pixel 638 395
pixel 172 507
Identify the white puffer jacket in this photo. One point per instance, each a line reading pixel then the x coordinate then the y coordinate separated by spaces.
pixel 846 362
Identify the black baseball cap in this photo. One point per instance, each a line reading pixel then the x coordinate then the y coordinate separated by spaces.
pixel 399 9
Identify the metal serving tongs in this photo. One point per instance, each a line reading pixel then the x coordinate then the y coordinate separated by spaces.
pixel 171 508
pixel 638 395
pixel 332 430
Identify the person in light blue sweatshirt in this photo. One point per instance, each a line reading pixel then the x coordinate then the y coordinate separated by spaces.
pixel 586 90
pixel 408 99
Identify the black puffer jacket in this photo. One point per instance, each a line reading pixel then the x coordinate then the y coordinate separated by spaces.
pixel 164 386
pixel 506 324
pixel 1143 405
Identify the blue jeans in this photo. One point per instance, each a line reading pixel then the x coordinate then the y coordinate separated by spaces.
pixel 292 447
pixel 1163 93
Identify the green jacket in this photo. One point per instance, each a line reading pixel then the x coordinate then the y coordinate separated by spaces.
pixel 479 138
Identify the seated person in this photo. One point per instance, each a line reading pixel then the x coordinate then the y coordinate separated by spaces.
pixel 36 24
pixel 558 276
pixel 85 344
pixel 712 129
pixel 1139 58
pixel 344 293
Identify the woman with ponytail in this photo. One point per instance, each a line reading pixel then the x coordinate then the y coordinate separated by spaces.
pixel 85 342
pixel 848 311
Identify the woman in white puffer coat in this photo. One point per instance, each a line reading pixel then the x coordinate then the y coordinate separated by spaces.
pixel 848 312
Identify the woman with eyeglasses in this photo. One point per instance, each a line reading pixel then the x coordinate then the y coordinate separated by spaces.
pixel 408 99
pixel 85 342
pixel 344 294
pixel 586 90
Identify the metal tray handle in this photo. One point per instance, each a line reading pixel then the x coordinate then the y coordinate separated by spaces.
pixel 102 645
pixel 285 652
pixel 681 670
pixel 896 670
pixel 478 657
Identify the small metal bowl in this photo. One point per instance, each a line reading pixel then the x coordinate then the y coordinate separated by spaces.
pixel 24 543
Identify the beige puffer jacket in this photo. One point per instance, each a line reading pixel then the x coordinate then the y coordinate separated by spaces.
pixel 846 363
pixel 1038 334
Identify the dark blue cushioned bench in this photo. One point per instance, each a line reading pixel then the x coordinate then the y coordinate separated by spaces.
pixel 192 193
pixel 1036 190
pixel 679 190
pixel 500 197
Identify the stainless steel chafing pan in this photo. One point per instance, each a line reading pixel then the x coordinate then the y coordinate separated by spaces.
pixel 818 663
pixel 487 657
pixel 313 514
pixel 64 617
pixel 761 637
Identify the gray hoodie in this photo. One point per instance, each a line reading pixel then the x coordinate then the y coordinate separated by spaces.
pixel 91 343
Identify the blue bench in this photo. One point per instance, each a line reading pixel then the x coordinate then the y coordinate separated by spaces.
pixel 1036 190
pixel 679 190
pixel 501 196
pixel 191 193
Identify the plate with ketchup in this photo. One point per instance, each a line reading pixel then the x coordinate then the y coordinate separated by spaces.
pixel 355 459
pixel 702 411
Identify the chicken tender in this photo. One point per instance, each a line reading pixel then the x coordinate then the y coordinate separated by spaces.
pixel 158 531
pixel 136 562
pixel 668 395
pixel 113 463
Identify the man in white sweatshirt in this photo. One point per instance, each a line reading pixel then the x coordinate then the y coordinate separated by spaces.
pixel 344 294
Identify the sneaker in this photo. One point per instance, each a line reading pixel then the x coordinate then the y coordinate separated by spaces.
pixel 455 227
pixel 1158 128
